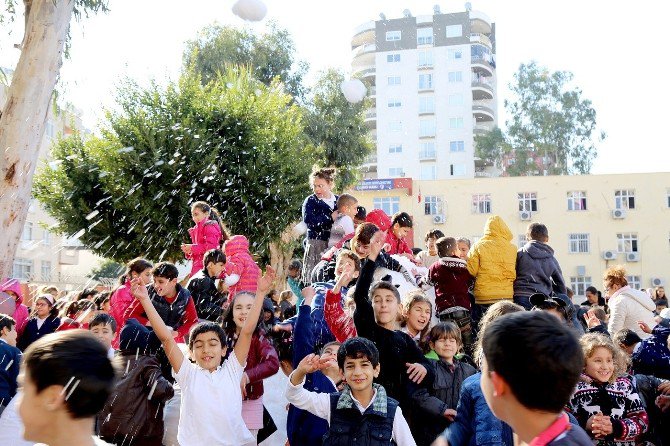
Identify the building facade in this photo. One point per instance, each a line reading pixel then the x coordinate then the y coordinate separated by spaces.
pixel 594 221
pixel 432 79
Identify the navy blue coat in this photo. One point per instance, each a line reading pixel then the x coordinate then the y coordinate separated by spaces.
pixel 318 217
pixel 10 361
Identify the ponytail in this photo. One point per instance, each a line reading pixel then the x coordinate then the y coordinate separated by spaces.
pixel 214 216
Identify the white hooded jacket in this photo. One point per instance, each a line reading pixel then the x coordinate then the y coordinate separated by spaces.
pixel 627 306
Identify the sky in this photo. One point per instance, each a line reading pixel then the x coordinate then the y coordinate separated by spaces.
pixel 614 52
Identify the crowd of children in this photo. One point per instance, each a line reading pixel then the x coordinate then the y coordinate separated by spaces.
pixel 486 347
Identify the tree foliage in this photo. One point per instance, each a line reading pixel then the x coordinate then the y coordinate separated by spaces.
pixel 233 142
pixel 550 118
pixel 107 269
pixel 491 146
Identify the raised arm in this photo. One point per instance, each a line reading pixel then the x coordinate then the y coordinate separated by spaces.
pixel 364 316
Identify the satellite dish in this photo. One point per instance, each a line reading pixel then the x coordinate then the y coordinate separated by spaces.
pixel 250 10
pixel 353 90
pixel 7 304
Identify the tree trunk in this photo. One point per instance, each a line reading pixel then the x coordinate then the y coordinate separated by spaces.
pixel 24 115
pixel 281 253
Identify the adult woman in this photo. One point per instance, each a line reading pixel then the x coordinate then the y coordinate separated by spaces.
pixel 627 305
pixel 659 293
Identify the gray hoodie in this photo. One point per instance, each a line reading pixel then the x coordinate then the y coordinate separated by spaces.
pixel 537 271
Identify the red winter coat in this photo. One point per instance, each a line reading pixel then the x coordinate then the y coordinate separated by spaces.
pixel 262 363
pixel 340 324
pixel 205 235
pixel 119 309
pixel 398 245
pixel 21 314
pixel 240 262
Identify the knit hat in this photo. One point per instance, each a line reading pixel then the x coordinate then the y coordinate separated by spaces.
pixel 379 219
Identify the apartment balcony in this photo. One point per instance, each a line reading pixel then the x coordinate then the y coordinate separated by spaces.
pixel 481 38
pixel 481 88
pixel 482 113
pixel 480 130
pixel 363 56
pixel 427 155
pixel 369 164
pixel 482 66
pixel 372 91
pixel 363 34
pixel 367 74
pixel 371 118
pixel 480 23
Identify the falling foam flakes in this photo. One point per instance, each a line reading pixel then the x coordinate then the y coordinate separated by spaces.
pixel 153 388
pixel 79 233
pixel 54 164
pixel 126 149
pixel 92 214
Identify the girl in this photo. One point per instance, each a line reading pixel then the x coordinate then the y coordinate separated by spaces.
pixel 417 311
pixel 285 304
pixel 21 314
pixel 318 214
pixel 437 401
pixel 605 401
pixel 208 233
pixel 659 293
pixel 262 361
pixel 122 298
pixel 43 321
pixel 77 314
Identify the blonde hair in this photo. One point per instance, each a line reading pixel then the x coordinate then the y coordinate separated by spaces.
pixel 615 275
pixel 285 295
pixel 412 298
pixel 591 341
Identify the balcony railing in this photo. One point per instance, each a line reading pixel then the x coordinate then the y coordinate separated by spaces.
pixel 427 155
pixel 371 114
pixel 370 159
pixel 480 38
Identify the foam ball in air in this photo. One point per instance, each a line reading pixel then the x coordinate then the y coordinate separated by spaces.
pixel 353 90
pixel 250 10
pixel 300 228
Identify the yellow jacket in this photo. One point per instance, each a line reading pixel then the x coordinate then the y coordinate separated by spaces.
pixel 492 262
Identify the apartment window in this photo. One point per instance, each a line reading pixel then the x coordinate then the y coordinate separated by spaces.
pixel 27 234
pixel 22 268
pixel 428 172
pixel 49 129
pixel 456 123
pixel 425 58
pixel 455 99
pixel 394 103
pixel 454 54
pixel 424 36
pixel 393 80
pixel 395 126
pixel 521 240
pixel 395 148
pixel 425 81
pixel 457 146
pixel 577 201
pixel 579 284
pixel 454 30
pixel 392 58
pixel 634 282
pixel 624 199
pixel 481 203
pixel 392 36
pixel 427 150
pixel 527 201
pixel 455 76
pixel 457 170
pixel 396 172
pixel 627 242
pixel 433 205
pixel 46 271
pixel 390 205
pixel 579 243
pixel 46 238
pixel 426 128
pixel 426 104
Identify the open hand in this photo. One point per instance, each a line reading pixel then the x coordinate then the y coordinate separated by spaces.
pixel 664 387
pixel 308 293
pixel 376 244
pixel 644 327
pixel 138 290
pixel 591 319
pixel 265 282
pixel 311 363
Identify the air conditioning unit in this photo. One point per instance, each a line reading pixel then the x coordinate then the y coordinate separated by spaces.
pixel 525 215
pixel 632 257
pixel 618 214
pixel 438 219
pixel 610 255
pixel 657 281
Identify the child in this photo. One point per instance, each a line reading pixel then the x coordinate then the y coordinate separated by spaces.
pixel 211 401
pixel 531 365
pixel 339 314
pixel 463 247
pixel 605 402
pixel 649 356
pixel 45 320
pixel 285 304
pixel 552 305
pixel 21 314
pixel 103 326
pixel 10 360
pixel 67 379
pixel 121 299
pixel 208 233
pixel 262 361
pixel 88 294
pixel 344 223
pixel 241 271
pixel 437 401
pixel 206 296
pixel 77 314
pixel 450 277
pixel 430 255
pixel 362 412
pixel 102 301
pixel 537 270
pixel 361 215
pixel 318 214
pixel 417 310
pixel 293 273
pixel 133 415
pixel 596 320
pixel 401 224
pixel 492 262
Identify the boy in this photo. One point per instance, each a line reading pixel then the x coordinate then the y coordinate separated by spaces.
pixel 344 223
pixel 103 326
pixel 206 296
pixel 10 360
pixel 430 255
pixel 401 224
pixel 362 412
pixel 450 277
pixel 211 401
pixel 649 356
pixel 293 273
pixel 361 215
pixel 537 270
pixel 67 378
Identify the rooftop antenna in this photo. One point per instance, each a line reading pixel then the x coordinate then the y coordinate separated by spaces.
pixel 436 9
pixel 468 6
pixel 406 13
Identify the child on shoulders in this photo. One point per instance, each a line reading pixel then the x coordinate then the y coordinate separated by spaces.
pixel 430 255
pixel 208 233
pixel 242 272
pixel 344 223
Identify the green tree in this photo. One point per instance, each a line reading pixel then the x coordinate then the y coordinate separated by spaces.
pixel 107 269
pixel 550 118
pixel 337 127
pixel 233 142
pixel 270 55
pixel 491 146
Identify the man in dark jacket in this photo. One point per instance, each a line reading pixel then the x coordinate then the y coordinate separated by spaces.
pixel 206 297
pixel 537 270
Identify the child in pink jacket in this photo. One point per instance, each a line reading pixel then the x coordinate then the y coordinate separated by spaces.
pixel 21 314
pixel 205 235
pixel 241 271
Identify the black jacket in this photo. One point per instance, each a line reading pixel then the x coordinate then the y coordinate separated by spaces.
pixel 206 297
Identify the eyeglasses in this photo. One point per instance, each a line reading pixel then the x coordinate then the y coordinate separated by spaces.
pixel 40 304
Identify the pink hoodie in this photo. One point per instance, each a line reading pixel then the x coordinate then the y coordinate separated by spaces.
pixel 21 313
pixel 239 262
pixel 119 304
pixel 205 235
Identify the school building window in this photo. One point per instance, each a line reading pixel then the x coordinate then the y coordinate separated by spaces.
pixel 456 123
pixel 634 282
pixel 454 54
pixel 425 81
pixel 46 238
pixel 627 242
pixel 428 172
pixel 427 150
pixel 624 199
pixel 390 205
pixel 433 205
pixel 457 146
pixel 27 234
pixel 392 58
pixel 455 76
pixel 527 201
pixel 458 170
pixel 396 172
pixel 481 203
pixel 424 36
pixel 393 80
pixel 394 103
pixel 579 284
pixel 668 198
pixel 22 268
pixel 577 201
pixel 425 58
pixel 426 104
pixel 521 240
pixel 579 243
pixel 392 36
pixel 395 148
pixel 426 128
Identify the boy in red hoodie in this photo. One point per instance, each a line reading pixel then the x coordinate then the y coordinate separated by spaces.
pixel 241 271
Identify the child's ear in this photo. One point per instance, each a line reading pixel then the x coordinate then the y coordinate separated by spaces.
pixel 377 369
pixel 499 385
pixel 53 397
pixel 355 275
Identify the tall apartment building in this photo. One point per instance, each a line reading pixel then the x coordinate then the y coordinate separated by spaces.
pixel 433 81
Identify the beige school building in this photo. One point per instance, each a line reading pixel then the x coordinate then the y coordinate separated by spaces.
pixel 594 221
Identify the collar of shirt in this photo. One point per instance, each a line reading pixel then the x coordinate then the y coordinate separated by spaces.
pixel 562 424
